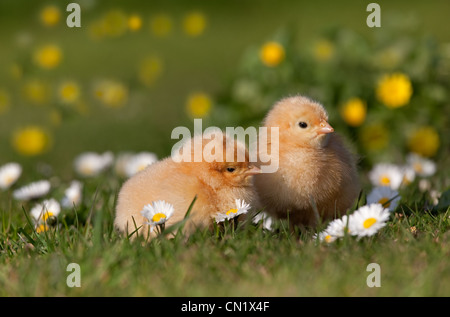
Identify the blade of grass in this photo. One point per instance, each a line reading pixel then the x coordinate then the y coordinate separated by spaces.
pixel 180 224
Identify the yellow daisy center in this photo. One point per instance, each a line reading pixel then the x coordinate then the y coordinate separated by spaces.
pixel 384 202
pixel 328 238
pixel 41 228
pixel 8 180
pixel 369 222
pixel 86 170
pixel 418 167
pixel 406 181
pixel 231 211
pixel 142 167
pixel 384 180
pixel 47 215
pixel 157 217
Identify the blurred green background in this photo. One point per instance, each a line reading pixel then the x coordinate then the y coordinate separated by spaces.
pixel 154 69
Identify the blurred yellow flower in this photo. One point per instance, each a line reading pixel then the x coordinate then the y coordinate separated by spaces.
pixel 424 141
pixel 68 92
pixel 272 54
pixel 48 56
pixel 149 70
pixel 37 91
pixel 114 23
pixel 161 25
pixel 5 101
pixel 354 112
pixel 198 105
pixel 50 15
pixel 16 71
pixel 134 23
pixel 323 50
pixel 374 136
pixel 111 93
pixel 97 30
pixel 55 118
pixel 82 108
pixel 194 23
pixel 388 58
pixel 31 140
pixel 394 90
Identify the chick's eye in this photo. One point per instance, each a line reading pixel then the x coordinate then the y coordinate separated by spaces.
pixel 302 124
pixel 230 169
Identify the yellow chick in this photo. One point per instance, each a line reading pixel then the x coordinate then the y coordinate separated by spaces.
pixel 317 176
pixel 218 178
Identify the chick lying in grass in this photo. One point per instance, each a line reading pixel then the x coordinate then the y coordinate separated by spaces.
pixel 317 175
pixel 217 178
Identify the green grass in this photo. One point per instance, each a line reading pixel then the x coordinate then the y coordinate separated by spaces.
pixel 241 261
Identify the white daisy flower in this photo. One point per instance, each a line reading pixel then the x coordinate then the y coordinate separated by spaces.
pixel 91 164
pixel 265 219
pixel 338 227
pixel 435 196
pixel 43 211
pixel 32 191
pixel 424 185
pixel 384 196
pixel 139 162
pixel 158 212
pixel 409 175
pixel 120 163
pixel 241 208
pixel 422 166
pixel 385 174
pixel 72 195
pixel 368 219
pixel 324 236
pixel 9 174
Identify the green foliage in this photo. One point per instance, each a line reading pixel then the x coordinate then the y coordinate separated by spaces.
pixel 343 64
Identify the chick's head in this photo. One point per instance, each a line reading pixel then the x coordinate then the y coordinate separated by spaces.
pixel 236 174
pixel 231 167
pixel 220 160
pixel 301 122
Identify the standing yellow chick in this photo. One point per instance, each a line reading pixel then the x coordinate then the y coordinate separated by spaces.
pixel 316 176
pixel 217 179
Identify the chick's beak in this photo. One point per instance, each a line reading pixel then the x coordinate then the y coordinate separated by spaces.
pixel 325 128
pixel 253 170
